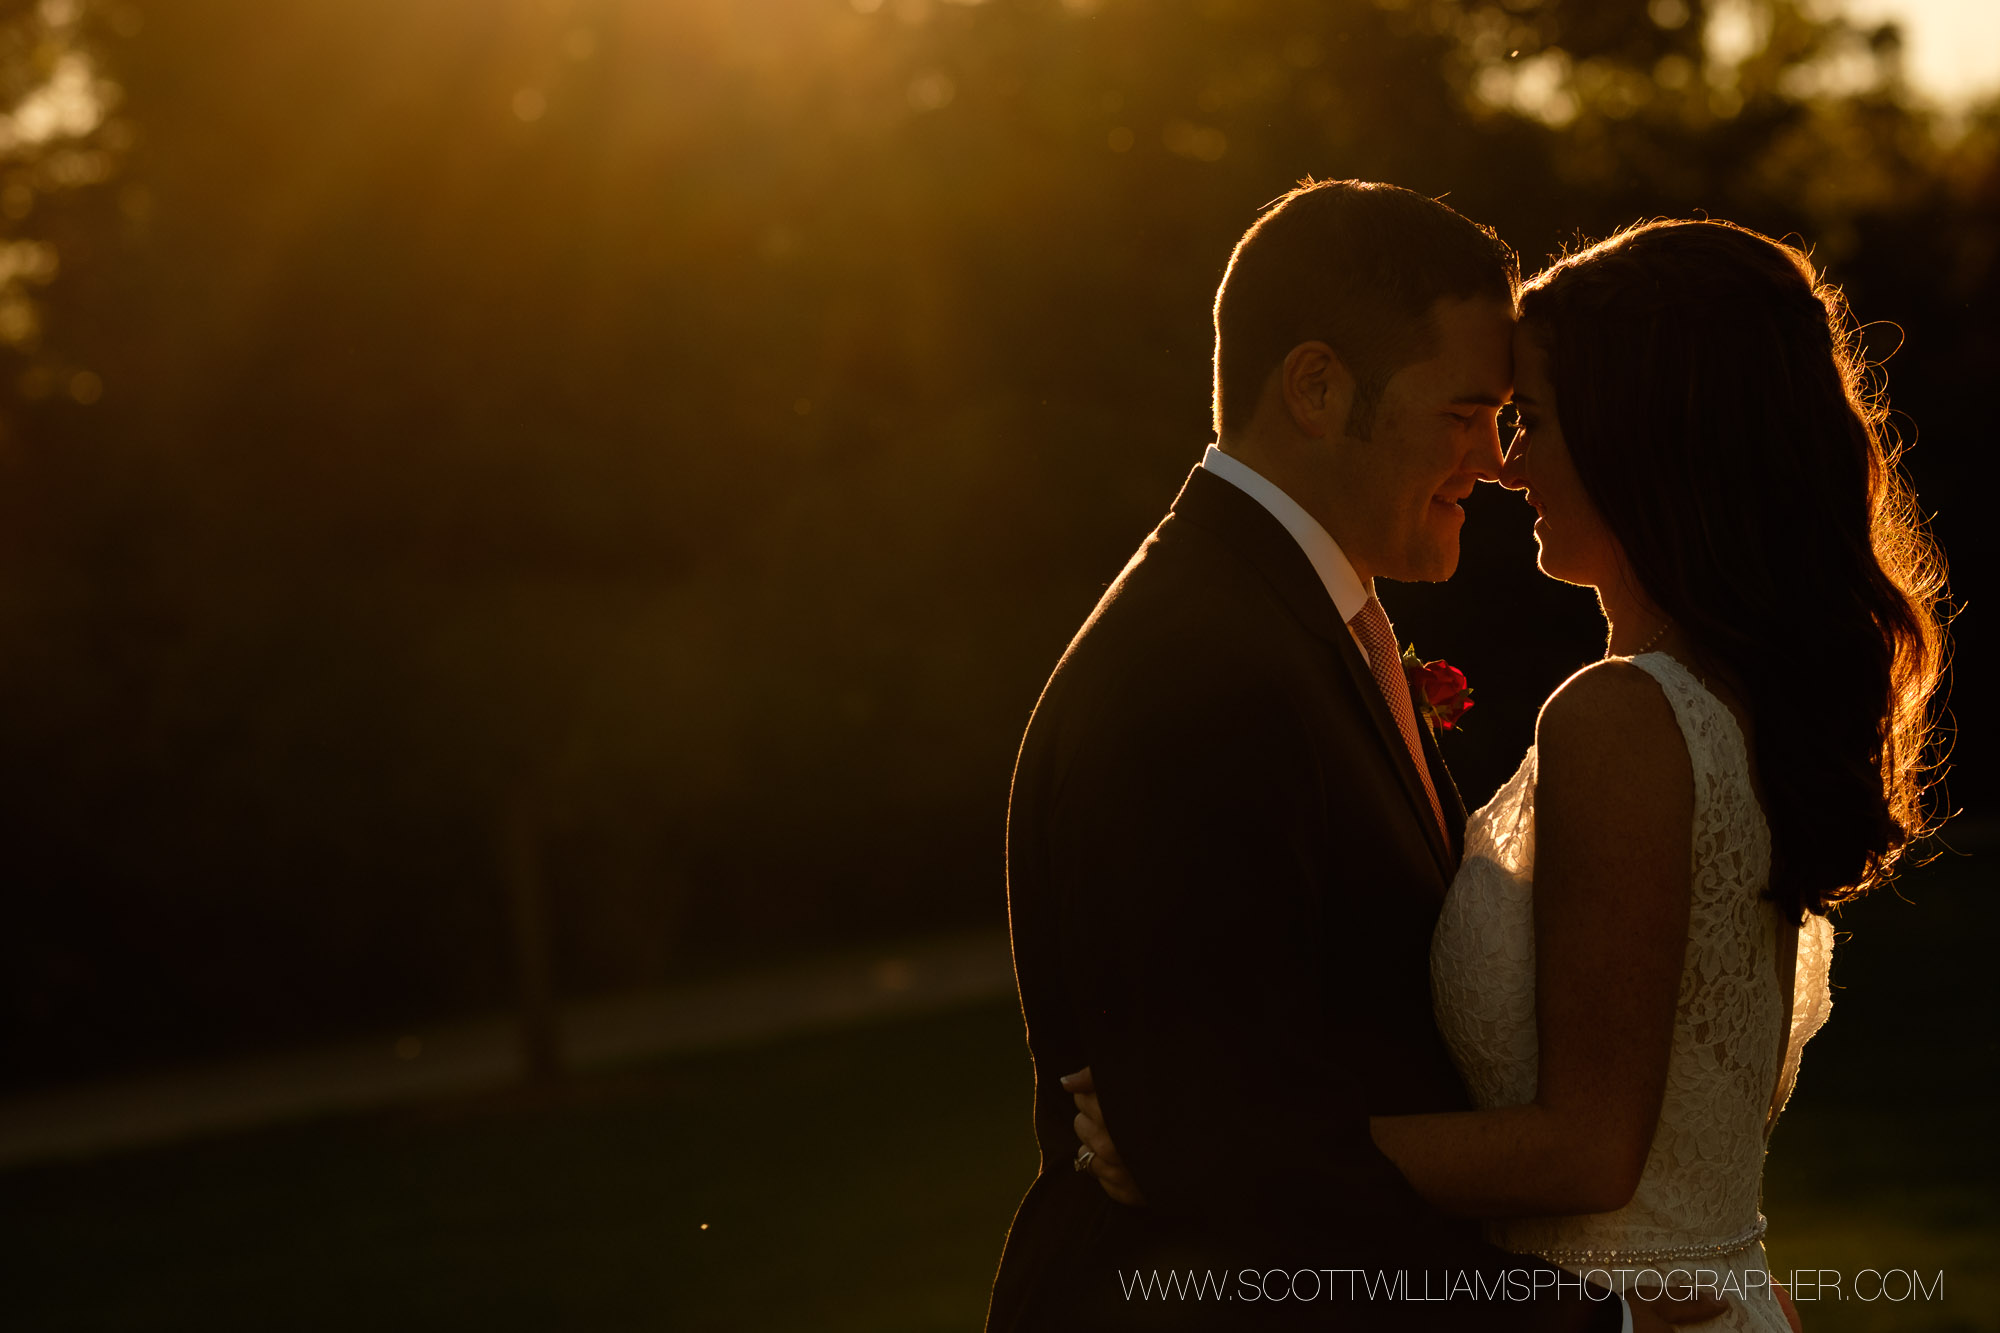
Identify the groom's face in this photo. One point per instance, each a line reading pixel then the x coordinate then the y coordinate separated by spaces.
pixel 1435 437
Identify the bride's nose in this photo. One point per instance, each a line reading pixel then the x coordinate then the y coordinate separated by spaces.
pixel 1514 467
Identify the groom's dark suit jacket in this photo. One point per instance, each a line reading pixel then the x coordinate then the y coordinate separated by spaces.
pixel 1222 878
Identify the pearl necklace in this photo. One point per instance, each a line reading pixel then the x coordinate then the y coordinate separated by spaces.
pixel 1658 634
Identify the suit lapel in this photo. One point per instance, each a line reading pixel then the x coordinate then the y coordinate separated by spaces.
pixel 1391 737
pixel 1215 504
pixel 1447 790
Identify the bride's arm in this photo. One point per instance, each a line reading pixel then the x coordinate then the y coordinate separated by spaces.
pixel 1614 828
pixel 1614 821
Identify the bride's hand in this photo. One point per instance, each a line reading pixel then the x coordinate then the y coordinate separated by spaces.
pixel 1785 1303
pixel 1671 1313
pixel 1104 1163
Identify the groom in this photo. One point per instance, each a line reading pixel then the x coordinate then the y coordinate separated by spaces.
pixel 1229 835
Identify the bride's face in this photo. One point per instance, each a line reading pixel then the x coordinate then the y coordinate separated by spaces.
pixel 1576 545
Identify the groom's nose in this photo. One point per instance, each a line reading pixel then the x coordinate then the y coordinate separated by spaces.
pixel 1486 459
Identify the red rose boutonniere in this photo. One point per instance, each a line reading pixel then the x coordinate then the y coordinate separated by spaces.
pixel 1442 696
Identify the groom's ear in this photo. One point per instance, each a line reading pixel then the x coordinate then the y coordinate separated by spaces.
pixel 1317 390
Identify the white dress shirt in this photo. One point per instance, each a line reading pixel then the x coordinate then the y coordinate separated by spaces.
pixel 1343 585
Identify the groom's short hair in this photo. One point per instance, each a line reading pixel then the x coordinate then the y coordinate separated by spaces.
pixel 1354 264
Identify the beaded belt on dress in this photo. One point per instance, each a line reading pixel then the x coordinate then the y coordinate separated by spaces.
pixel 1651 1258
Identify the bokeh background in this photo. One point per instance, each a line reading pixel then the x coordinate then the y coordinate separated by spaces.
pixel 505 503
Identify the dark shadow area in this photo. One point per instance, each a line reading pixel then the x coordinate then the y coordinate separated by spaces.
pixel 883 1210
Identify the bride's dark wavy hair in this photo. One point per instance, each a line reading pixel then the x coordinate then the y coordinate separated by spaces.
pixel 1713 393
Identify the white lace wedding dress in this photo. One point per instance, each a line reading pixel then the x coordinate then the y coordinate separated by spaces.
pixel 1696 1208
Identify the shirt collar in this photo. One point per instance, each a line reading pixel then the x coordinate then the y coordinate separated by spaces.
pixel 1349 593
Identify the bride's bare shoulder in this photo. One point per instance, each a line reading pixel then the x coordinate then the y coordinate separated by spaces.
pixel 1611 712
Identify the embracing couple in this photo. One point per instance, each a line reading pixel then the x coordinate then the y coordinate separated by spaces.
pixel 1312 1047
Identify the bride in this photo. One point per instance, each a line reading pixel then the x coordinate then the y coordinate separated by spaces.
pixel 1635 948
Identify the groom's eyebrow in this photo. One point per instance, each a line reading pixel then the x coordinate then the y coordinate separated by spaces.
pixel 1478 400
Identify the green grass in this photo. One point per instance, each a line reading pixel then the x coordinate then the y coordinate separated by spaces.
pixel 1858 1191
pixel 863 1180
pixel 1886 1157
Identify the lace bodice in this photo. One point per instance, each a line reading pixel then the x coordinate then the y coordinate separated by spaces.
pixel 1698 1196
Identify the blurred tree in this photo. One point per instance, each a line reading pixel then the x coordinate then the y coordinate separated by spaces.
pixel 701 426
pixel 56 134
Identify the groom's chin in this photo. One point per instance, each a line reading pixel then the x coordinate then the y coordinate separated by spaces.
pixel 1436 565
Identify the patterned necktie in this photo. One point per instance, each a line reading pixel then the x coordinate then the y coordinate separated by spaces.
pixel 1371 625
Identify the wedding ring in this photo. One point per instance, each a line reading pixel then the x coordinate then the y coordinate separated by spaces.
pixel 1085 1155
